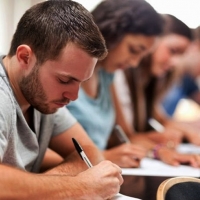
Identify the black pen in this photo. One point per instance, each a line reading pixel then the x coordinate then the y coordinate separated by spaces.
pixel 81 153
pixel 121 135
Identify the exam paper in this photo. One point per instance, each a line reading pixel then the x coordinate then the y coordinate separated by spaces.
pixel 189 148
pixel 123 197
pixel 151 167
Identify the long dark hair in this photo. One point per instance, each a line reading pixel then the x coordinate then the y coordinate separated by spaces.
pixel 145 89
pixel 116 18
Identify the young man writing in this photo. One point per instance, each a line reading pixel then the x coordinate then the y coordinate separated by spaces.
pixel 54 49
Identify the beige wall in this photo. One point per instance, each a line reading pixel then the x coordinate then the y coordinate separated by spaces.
pixel 10 13
pixel 12 10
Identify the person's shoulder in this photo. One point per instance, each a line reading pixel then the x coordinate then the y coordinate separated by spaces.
pixel 7 110
pixel 6 100
pixel 62 112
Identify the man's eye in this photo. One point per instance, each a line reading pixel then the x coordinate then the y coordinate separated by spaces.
pixel 63 82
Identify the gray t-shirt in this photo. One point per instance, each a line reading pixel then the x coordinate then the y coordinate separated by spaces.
pixel 19 145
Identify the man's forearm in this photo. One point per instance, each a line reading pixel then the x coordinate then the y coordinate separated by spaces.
pixel 17 184
pixel 73 164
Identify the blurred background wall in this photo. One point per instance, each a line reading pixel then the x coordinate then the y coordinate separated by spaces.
pixel 11 11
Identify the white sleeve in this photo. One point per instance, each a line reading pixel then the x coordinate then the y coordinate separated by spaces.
pixel 123 94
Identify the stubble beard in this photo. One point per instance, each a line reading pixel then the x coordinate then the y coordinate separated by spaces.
pixel 33 92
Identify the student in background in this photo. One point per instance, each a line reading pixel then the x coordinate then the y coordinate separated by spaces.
pixel 55 47
pixel 145 86
pixel 130 28
pixel 186 85
pixel 128 41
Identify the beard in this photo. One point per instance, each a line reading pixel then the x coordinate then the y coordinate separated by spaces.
pixel 33 92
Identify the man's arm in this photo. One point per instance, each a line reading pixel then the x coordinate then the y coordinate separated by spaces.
pixel 51 159
pixel 16 184
pixel 63 145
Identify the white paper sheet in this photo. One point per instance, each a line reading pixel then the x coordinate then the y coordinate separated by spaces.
pixel 151 167
pixel 189 148
pixel 123 197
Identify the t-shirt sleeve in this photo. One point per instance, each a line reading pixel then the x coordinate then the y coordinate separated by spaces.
pixel 63 120
pixel 6 109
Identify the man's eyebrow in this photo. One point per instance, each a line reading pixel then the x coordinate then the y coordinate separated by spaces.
pixel 72 78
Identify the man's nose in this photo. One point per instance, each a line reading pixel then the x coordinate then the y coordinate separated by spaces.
pixel 72 92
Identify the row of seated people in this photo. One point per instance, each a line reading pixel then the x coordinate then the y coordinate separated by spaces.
pixel 47 66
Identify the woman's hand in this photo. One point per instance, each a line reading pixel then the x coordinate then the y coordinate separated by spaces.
pixel 125 155
pixel 169 137
pixel 171 157
pixel 192 135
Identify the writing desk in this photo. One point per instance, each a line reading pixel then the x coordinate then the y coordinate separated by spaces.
pixel 143 182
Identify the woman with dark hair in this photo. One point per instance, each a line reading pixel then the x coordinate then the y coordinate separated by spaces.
pixel 157 70
pixel 130 28
pixel 146 86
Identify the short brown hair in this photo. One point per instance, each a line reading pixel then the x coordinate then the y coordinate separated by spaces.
pixel 47 27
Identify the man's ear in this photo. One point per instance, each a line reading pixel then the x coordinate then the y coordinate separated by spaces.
pixel 24 55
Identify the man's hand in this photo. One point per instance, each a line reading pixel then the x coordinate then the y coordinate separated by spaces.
pixel 102 181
